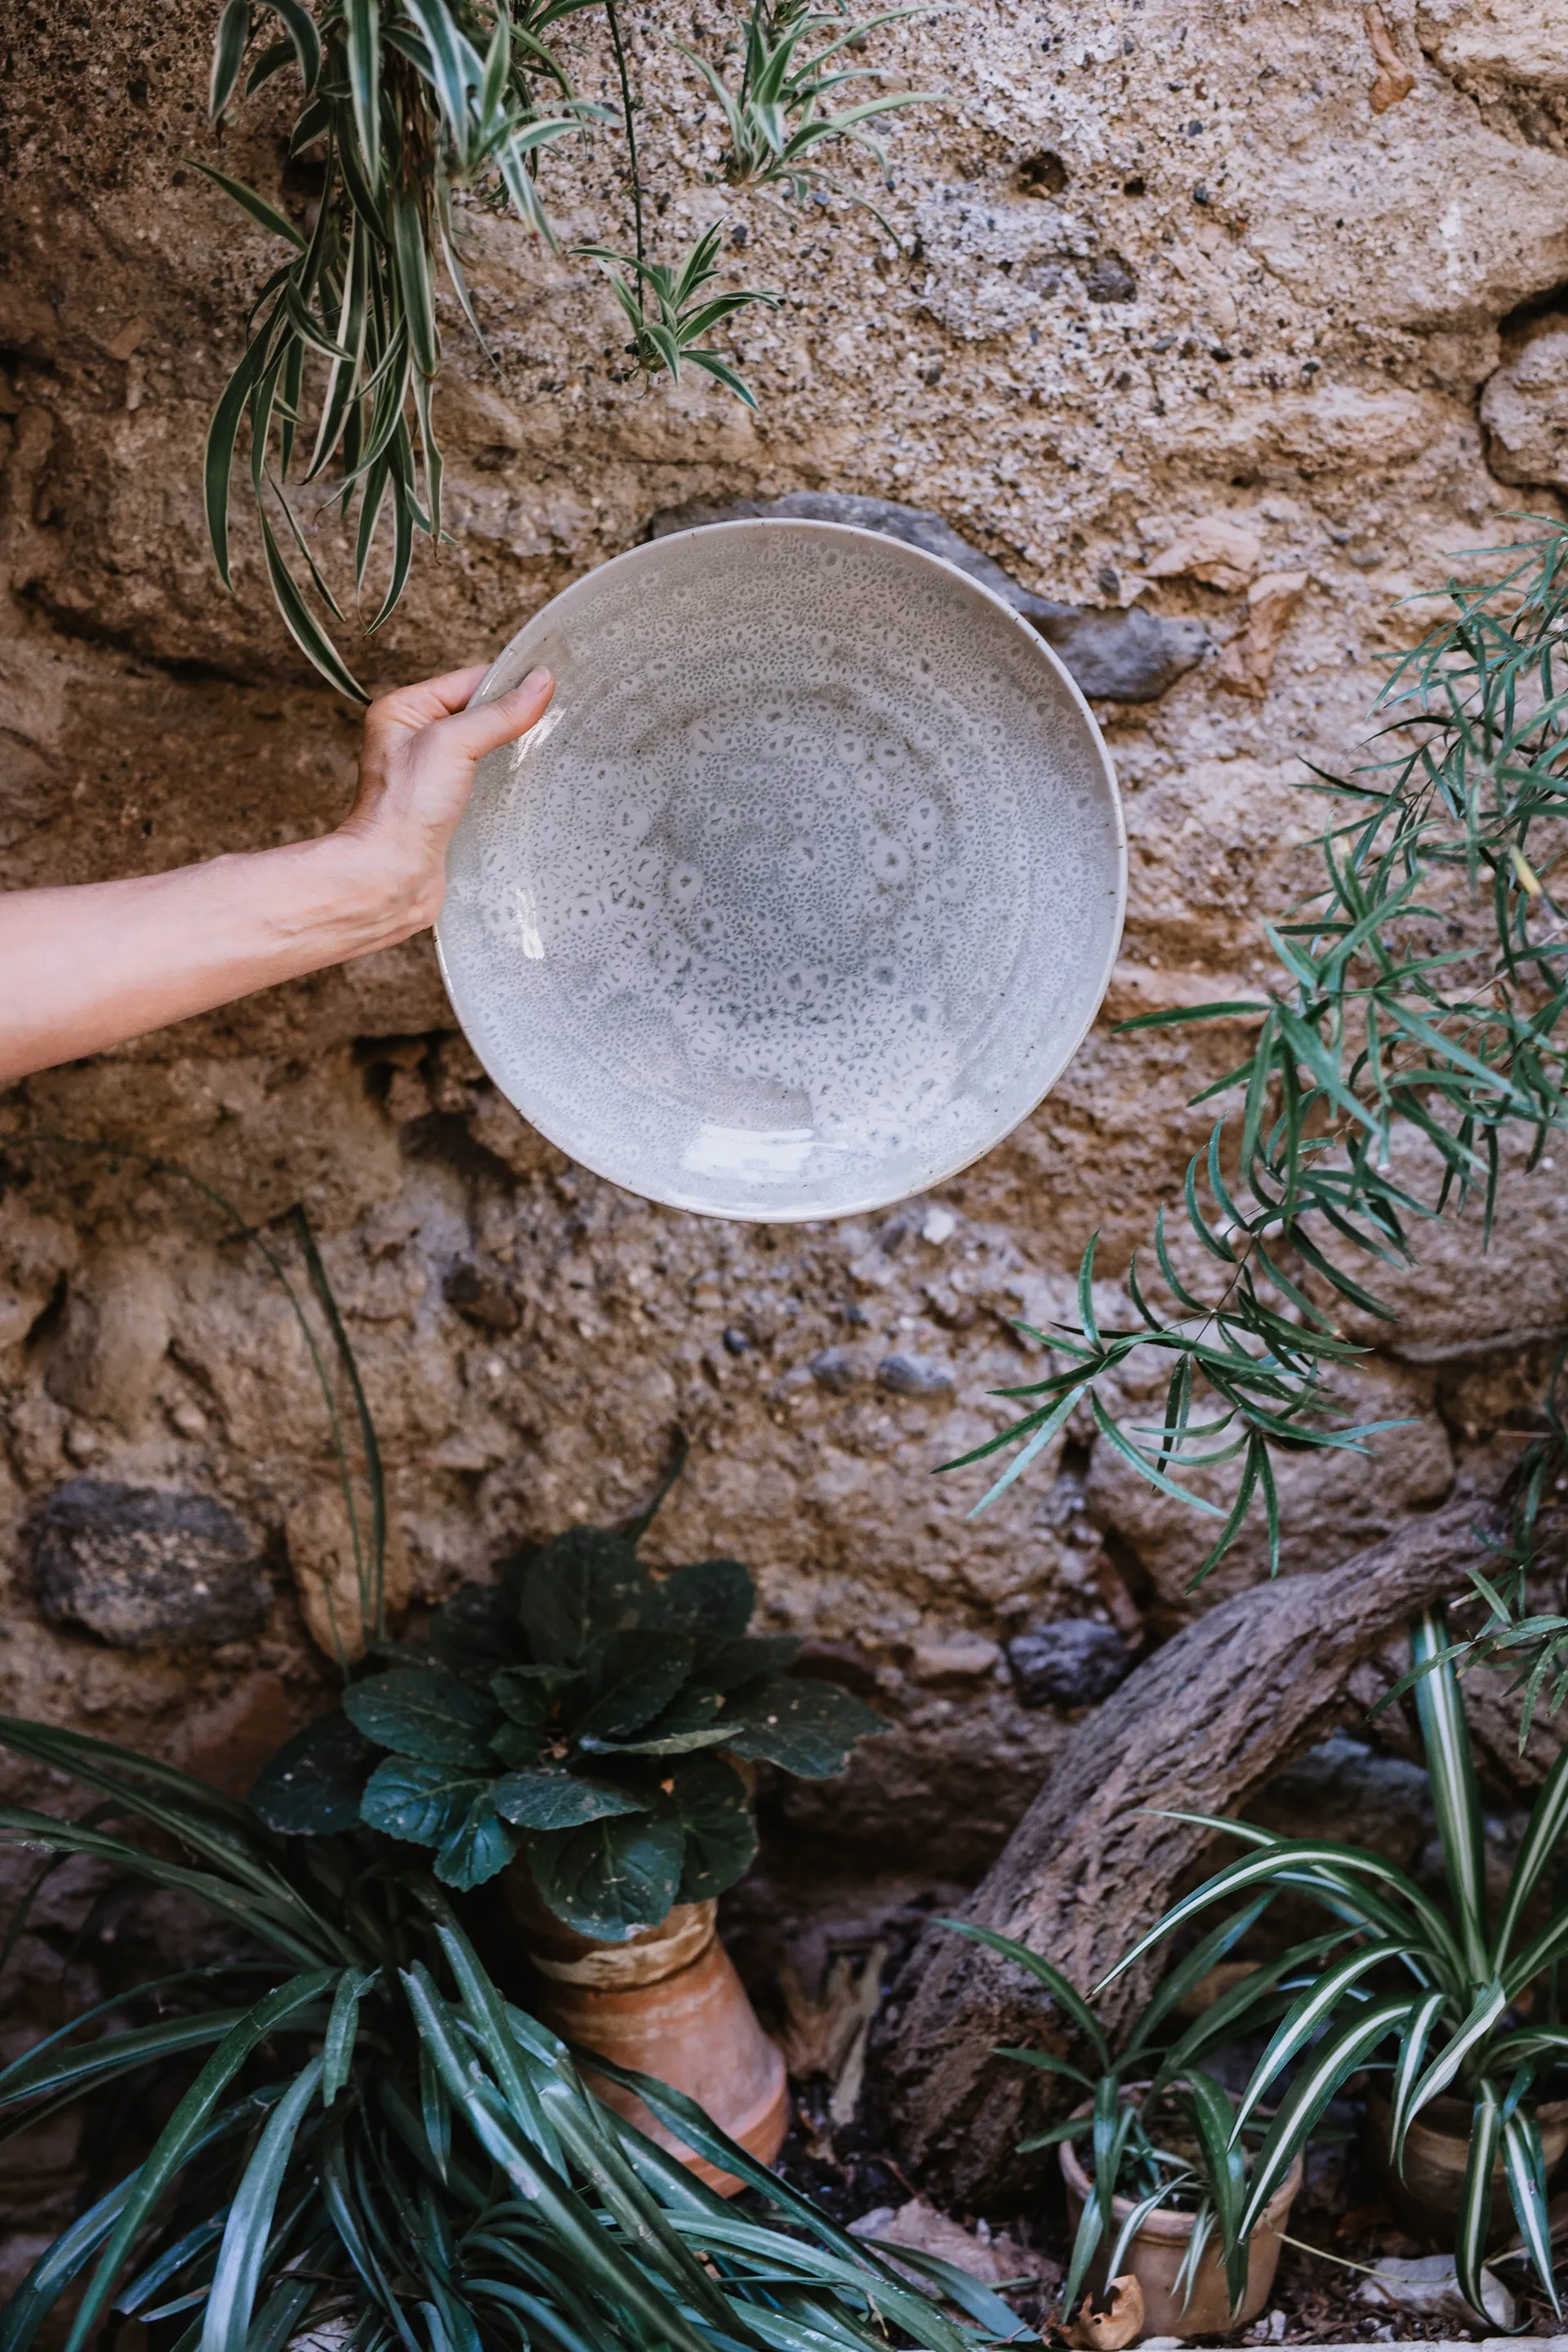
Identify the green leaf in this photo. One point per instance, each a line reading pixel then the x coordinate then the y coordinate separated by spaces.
pixel 807 1728
pixel 714 1807
pixel 1456 1800
pixel 1476 2196
pixel 181 2137
pixel 1307 2016
pixel 561 1799
pixel 424 1712
pixel 424 1803
pixel 228 54
pixel 267 216
pixel 641 1672
pixel 711 1600
pixel 612 1877
pixel 1542 1837
pixel 342 2026
pixel 242 2254
pixel 1525 2164
pixel 313 1784
pixel 362 24
pixel 478 1847
pixel 1313 2084
pixel 572 1594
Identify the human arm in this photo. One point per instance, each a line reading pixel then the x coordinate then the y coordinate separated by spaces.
pixel 87 967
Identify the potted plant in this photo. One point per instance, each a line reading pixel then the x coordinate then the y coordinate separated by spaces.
pixel 1461 2004
pixel 1161 2197
pixel 586 1728
pixel 355 2128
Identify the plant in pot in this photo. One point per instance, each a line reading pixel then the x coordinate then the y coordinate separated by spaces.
pixel 1163 2194
pixel 587 1728
pixel 351 2125
pixel 1461 2003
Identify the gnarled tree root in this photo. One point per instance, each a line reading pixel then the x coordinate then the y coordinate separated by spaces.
pixel 1199 1728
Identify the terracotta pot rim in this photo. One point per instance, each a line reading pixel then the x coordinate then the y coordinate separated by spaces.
pixel 1164 2221
pixel 1379 2105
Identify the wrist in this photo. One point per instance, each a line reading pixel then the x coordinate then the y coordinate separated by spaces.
pixel 374 891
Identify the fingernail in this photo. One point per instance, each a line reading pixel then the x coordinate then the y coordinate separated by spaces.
pixel 540 677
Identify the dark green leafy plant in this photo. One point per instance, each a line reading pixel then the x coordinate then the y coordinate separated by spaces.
pixel 1465 2000
pixel 406 105
pixel 376 2136
pixel 584 1712
pixel 1158 2074
pixel 1424 999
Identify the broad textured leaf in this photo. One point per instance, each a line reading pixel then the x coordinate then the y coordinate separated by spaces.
pixel 561 1799
pixel 425 1804
pixel 612 1877
pixel 424 1712
pixel 314 1783
pixel 639 1672
pixel 715 1809
pixel 570 1594
pixel 478 1846
pixel 808 1727
pixel 712 1599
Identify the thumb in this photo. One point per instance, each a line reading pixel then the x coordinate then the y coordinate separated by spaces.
pixel 488 725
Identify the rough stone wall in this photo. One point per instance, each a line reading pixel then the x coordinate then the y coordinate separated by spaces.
pixel 1167 264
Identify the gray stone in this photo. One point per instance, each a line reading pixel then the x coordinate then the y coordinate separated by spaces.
pixel 914 1375
pixel 834 1368
pixel 1073 1661
pixel 1109 279
pixel 140 1566
pixel 1115 657
pixel 1524 406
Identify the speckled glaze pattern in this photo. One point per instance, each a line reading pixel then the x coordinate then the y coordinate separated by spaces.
pixel 807 885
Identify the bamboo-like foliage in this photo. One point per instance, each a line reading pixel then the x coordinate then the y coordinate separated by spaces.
pixel 1423 1000
pixel 406 103
pixel 1452 1997
pixel 375 2133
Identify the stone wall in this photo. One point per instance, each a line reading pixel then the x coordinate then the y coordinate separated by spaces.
pixel 1167 267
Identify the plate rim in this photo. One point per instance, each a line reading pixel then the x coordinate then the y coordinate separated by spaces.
pixel 1037 644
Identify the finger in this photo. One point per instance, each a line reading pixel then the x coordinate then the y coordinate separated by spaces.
pixel 489 725
pixel 431 698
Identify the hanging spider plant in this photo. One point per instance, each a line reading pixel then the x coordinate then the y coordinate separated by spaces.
pixel 405 101
pixel 776 119
pixel 365 2131
pixel 1455 1998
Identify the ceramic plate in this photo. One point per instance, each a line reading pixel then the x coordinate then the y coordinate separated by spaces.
pixel 806 887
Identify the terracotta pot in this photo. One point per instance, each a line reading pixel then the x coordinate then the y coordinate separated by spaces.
pixel 1437 2150
pixel 666 2002
pixel 1155 2256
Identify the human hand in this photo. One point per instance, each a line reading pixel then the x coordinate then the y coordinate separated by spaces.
pixel 416 773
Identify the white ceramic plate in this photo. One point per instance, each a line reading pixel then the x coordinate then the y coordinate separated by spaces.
pixel 807 885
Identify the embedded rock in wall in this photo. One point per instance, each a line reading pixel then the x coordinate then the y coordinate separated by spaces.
pixel 1176 315
pixel 1525 405
pixel 135 1566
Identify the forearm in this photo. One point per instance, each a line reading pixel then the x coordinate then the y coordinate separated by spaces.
pixel 85 969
